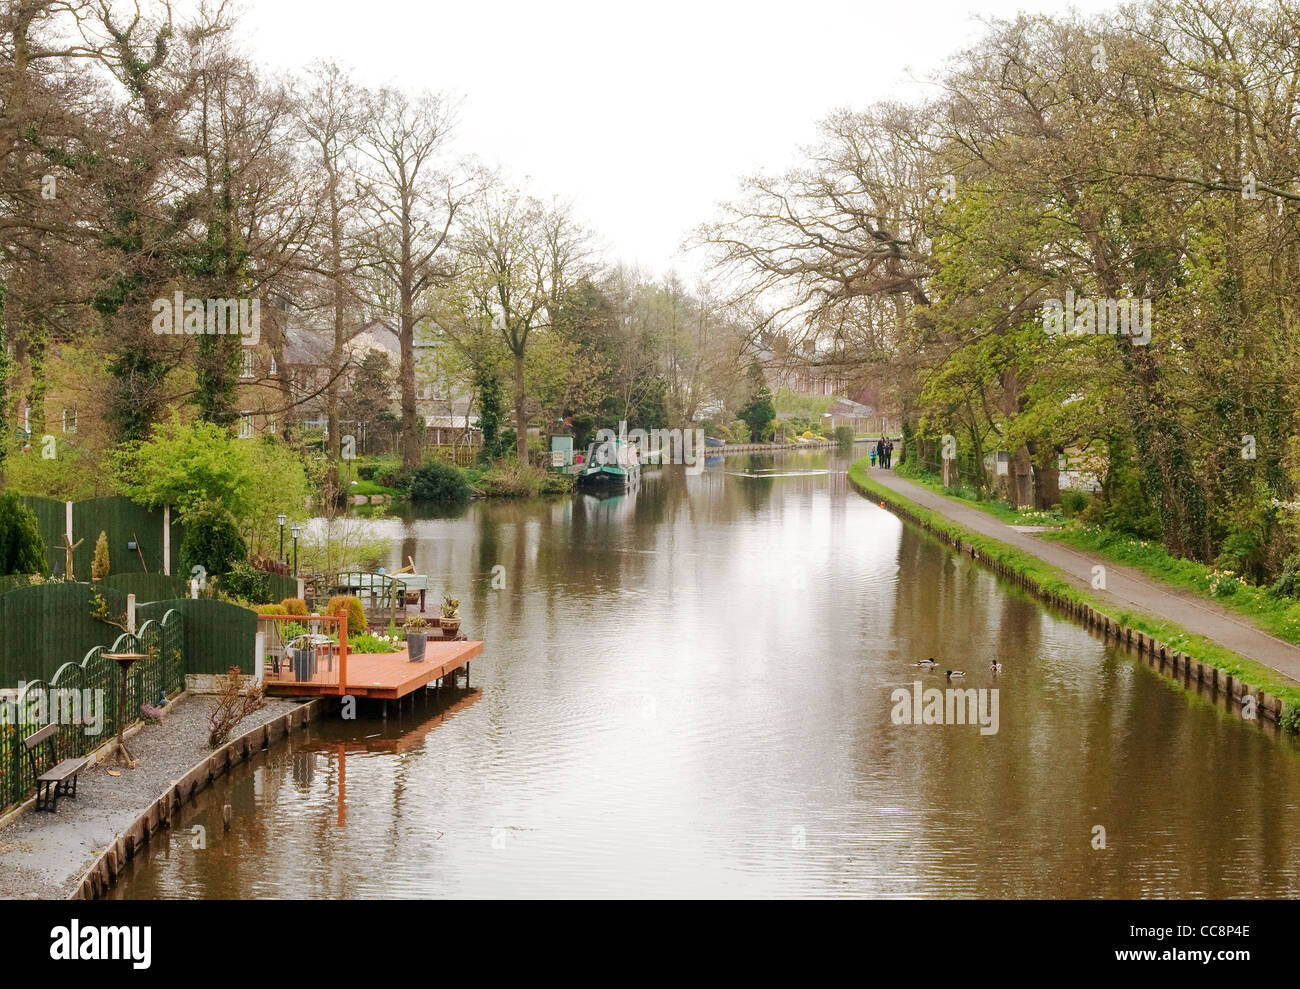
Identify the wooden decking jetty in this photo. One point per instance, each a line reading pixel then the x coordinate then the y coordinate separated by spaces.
pixel 386 676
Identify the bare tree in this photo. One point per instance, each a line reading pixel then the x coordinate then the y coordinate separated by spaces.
pixel 412 201
pixel 331 117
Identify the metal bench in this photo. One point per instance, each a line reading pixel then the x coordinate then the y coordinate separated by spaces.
pixel 60 780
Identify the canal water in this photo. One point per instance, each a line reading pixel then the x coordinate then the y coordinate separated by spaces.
pixel 688 691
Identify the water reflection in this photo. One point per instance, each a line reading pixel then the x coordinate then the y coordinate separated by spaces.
pixel 685 691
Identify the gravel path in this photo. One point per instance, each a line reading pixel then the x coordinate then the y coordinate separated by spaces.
pixel 1125 586
pixel 42 855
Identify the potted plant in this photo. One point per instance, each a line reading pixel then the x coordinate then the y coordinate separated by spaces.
pixel 450 620
pixel 417 634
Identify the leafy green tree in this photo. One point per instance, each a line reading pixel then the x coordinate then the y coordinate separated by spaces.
pixel 211 540
pixel 21 548
pixel 185 465
pixel 759 410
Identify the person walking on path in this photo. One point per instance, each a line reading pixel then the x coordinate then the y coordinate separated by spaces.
pixel 873 456
pixel 889 454
pixel 880 451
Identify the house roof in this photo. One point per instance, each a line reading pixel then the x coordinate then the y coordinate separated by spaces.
pixel 306 346
pixel 848 407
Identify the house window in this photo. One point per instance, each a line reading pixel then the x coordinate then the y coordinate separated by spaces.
pixel 69 420
pixel 247 370
pixel 245 425
pixel 274 368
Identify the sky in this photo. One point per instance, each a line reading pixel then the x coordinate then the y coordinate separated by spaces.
pixel 643 116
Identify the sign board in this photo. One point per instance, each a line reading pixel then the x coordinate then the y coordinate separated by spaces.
pixel 561 451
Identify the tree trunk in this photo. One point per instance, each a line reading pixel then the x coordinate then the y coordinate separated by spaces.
pixel 4 385
pixel 1022 482
pixel 340 330
pixel 1047 476
pixel 411 425
pixel 521 422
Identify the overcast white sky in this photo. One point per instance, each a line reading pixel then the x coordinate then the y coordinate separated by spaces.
pixel 643 115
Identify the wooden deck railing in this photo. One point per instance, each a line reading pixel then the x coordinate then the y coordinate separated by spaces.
pixel 282 666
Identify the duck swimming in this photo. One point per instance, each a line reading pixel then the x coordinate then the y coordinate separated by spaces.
pixel 954 674
pixel 929 664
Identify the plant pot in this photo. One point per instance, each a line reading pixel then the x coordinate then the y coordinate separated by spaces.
pixel 304 664
pixel 449 625
pixel 415 646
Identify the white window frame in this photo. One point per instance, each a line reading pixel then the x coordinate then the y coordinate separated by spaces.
pixel 246 425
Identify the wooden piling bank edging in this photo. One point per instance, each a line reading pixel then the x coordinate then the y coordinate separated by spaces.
pixel 1177 666
pixel 101 875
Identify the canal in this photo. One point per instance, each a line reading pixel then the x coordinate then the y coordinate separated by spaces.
pixel 686 691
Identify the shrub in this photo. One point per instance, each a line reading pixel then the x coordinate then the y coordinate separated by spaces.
pixel 367 472
pixel 240 699
pixel 1074 502
pixel 1288 581
pixel 271 609
pixel 397 478
pixel 509 448
pixel 1124 505
pixel 347 604
pixel 512 481
pixel 294 606
pixel 21 548
pixel 844 435
pixel 740 431
pixel 99 566
pixel 211 540
pixel 1290 719
pixel 1223 584
pixel 439 481
pixel 247 583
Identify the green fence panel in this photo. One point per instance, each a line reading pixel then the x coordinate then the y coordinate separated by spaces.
pixel 216 635
pixel 283 587
pixel 120 519
pixel 123 521
pixel 52 520
pixel 146 586
pixel 45 626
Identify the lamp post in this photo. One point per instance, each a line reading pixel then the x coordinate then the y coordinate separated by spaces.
pixel 295 530
pixel 282 519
